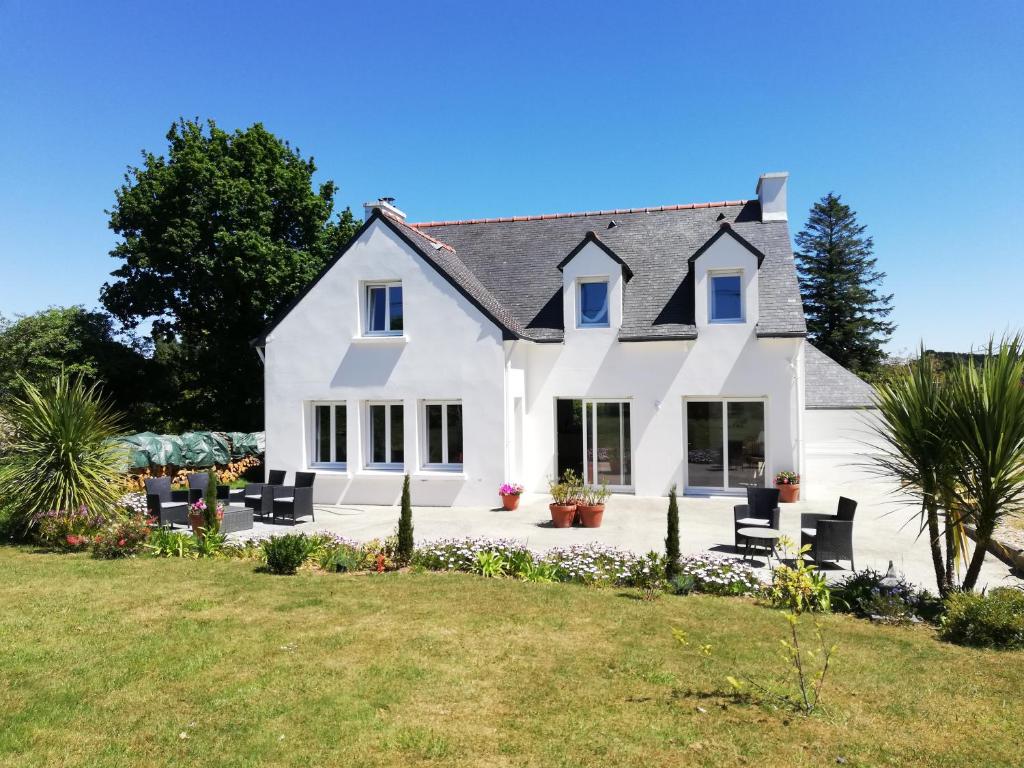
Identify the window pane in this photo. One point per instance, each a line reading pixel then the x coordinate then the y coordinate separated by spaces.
pixel 746 444
pixel 378 448
pixel 593 303
pixel 397 435
pixel 434 434
pixel 323 433
pixel 376 308
pixel 725 298
pixel 627 457
pixel 455 434
pixel 340 433
pixel 395 297
pixel 609 443
pixel 704 445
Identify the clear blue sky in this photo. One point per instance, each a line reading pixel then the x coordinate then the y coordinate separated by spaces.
pixel 914 112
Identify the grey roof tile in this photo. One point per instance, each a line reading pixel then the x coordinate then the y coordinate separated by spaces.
pixel 516 262
pixel 827 384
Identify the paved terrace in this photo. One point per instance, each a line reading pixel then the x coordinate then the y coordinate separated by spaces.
pixel 881 531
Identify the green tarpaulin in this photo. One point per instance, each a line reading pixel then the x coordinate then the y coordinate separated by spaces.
pixel 192 449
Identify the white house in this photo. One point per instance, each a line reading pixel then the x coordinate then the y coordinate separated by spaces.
pixel 643 348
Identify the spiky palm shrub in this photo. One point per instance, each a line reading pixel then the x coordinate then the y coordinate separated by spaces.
pixel 61 456
pixel 405 546
pixel 985 423
pixel 914 448
pixel 672 539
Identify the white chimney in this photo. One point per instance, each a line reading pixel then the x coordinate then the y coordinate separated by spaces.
pixel 771 193
pixel 385 205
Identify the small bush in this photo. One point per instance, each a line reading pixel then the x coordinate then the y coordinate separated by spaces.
pixel 404 548
pixel 340 559
pixel 800 587
pixel 166 543
pixel 286 554
pixel 718 575
pixel 863 594
pixel 125 538
pixel 68 529
pixel 995 620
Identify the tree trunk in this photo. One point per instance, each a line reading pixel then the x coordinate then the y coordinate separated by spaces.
pixel 932 516
pixel 983 535
pixel 949 580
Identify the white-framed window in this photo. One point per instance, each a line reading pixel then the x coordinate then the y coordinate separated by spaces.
pixel 384 309
pixel 385 435
pixel 592 302
pixel 442 434
pixel 330 435
pixel 725 302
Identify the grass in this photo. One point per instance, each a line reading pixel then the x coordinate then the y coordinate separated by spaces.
pixel 109 663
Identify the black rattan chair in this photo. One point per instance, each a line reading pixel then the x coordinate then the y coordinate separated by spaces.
pixel 253 494
pixel 167 506
pixel 293 502
pixel 830 536
pixel 762 508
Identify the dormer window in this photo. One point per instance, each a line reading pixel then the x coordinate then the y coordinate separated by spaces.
pixel 592 302
pixel 726 304
pixel 384 309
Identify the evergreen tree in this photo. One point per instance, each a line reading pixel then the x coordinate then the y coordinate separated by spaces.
pixel 672 540
pixel 405 526
pixel 210 521
pixel 846 314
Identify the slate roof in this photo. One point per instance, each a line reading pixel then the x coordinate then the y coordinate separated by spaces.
pixel 827 384
pixel 513 262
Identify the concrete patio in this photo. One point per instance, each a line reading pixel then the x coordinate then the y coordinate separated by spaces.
pixel 883 530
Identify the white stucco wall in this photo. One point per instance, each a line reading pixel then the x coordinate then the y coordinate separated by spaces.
pixel 450 351
pixel 727 360
pixel 838 444
pixel 508 390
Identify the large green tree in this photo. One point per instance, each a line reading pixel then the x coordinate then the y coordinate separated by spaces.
pixel 81 343
pixel 846 313
pixel 217 236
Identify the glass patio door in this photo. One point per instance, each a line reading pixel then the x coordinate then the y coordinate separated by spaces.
pixel 725 444
pixel 594 441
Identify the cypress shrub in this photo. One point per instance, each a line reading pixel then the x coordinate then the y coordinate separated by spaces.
pixel 210 521
pixel 404 553
pixel 672 539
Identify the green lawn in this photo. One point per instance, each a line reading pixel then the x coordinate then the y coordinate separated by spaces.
pixel 108 663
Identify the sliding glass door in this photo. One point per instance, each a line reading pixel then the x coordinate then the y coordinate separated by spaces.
pixel 594 441
pixel 725 444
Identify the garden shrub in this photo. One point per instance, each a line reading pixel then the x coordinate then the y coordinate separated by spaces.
pixel 342 558
pixel 719 575
pixel 68 529
pixel 993 620
pixel 286 554
pixel 167 543
pixel 863 594
pixel 124 538
pixel 404 548
pixel 800 587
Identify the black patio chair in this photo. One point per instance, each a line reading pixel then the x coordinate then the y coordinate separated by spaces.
pixel 295 501
pixel 830 536
pixel 761 509
pixel 167 506
pixel 198 482
pixel 252 496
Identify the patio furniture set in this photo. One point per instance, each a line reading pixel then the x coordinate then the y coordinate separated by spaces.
pixel 756 528
pixel 272 500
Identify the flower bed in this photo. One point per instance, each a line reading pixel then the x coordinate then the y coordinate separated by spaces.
pixel 719 575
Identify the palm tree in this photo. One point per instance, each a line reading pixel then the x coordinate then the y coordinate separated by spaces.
pixel 915 450
pixel 985 424
pixel 61 456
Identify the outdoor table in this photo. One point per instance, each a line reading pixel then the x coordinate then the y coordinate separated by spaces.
pixel 769 535
pixel 236 518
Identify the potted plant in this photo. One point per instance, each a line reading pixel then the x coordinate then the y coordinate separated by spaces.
pixel 591 506
pixel 788 484
pixel 565 495
pixel 510 493
pixel 206 513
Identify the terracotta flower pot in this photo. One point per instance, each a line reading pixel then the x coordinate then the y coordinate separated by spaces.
pixel 788 492
pixel 510 501
pixel 562 516
pixel 591 515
